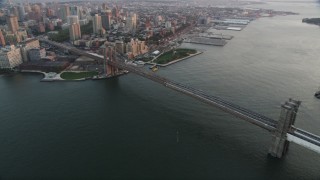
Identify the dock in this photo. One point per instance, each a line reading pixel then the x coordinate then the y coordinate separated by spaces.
pixel 232 28
pixel 215 36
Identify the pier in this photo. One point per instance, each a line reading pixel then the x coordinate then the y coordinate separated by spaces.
pixel 206 41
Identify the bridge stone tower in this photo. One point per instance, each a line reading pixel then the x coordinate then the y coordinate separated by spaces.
pixel 109 55
pixel 287 118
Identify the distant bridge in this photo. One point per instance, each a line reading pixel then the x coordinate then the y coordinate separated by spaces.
pixel 283 130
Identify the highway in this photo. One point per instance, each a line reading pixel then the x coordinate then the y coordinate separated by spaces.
pixel 236 110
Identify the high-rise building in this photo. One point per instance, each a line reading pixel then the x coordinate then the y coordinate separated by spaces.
pixel 41 27
pixel 64 12
pixel 35 14
pixel 168 24
pixel 83 22
pixel 50 26
pixel 148 24
pixel 115 12
pixel 132 47
pixel 14 11
pixel 83 13
pixel 21 13
pixel 49 12
pixel 158 20
pixel 26 46
pixel 135 19
pixel 96 24
pixel 74 11
pixel 106 21
pixel 12 22
pixel 107 12
pixel 142 48
pixel 131 23
pixel 2 39
pixel 104 6
pixel 204 20
pixel 120 47
pixel 75 31
pixel 136 47
pixel 73 19
pixel 27 8
pixel 22 34
pixel 36 8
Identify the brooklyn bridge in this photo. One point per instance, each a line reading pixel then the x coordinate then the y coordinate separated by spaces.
pixel 283 130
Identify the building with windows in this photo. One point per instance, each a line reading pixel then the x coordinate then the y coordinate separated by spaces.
pixel 74 11
pixel 36 54
pixel 120 47
pixel 49 12
pixel 10 57
pixel 2 39
pixel 75 31
pixel 22 34
pixel 136 47
pixel 96 24
pixel 27 8
pixel 168 24
pixel 73 19
pixel 26 46
pixel 115 12
pixel 22 13
pixel 12 22
pixel 64 12
pixel 131 23
pixel 14 10
pixel 106 21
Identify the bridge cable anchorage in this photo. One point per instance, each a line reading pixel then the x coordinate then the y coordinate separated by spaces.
pixel 283 130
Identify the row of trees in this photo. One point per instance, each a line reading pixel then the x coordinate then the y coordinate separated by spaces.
pixel 62 36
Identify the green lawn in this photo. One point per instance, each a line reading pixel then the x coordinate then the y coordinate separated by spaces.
pixel 173 55
pixel 62 36
pixel 77 75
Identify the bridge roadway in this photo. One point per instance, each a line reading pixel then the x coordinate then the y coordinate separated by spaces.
pixel 304 135
pixel 236 110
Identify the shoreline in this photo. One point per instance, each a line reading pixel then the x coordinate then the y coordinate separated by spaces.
pixel 52 76
pixel 47 77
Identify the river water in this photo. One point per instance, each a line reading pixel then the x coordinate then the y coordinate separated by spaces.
pixel 130 127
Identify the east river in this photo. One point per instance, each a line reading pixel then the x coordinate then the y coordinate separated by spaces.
pixel 130 127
